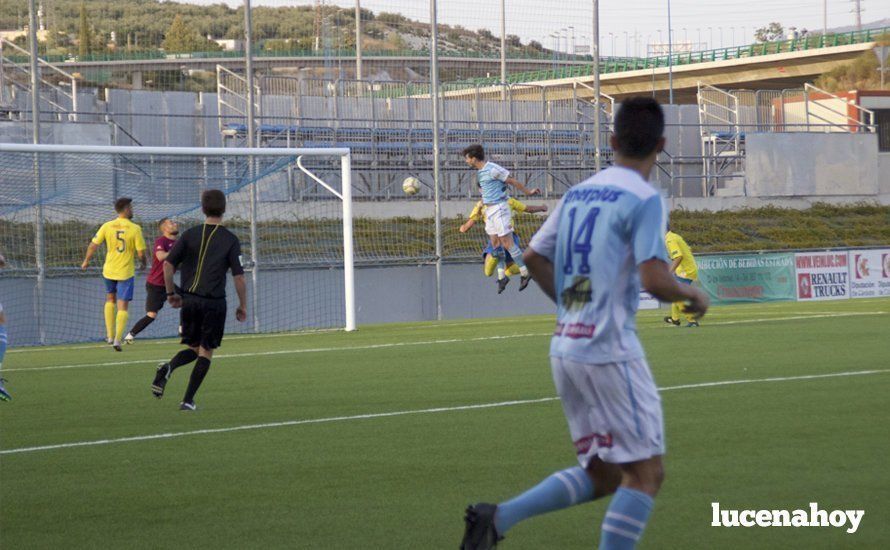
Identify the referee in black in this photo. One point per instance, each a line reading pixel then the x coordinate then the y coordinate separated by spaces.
pixel 202 256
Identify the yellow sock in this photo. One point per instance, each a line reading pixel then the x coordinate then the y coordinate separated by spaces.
pixel 675 310
pixel 122 317
pixel 512 269
pixel 109 320
pixel 491 263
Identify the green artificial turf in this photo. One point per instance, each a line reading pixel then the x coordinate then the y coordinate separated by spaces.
pixel 402 481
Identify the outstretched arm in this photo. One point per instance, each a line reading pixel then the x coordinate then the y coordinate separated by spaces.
pixel 467 225
pixel 518 185
pixel 536 209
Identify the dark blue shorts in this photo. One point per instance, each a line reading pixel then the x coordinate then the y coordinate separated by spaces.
pixel 491 250
pixel 683 280
pixel 123 289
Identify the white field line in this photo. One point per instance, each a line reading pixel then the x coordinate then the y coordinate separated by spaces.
pixel 171 435
pixel 291 351
pixel 427 326
pixel 405 344
pixel 791 318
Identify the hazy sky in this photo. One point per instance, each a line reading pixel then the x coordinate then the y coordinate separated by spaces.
pixel 691 19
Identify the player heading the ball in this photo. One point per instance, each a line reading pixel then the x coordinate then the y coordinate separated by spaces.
pixel 493 181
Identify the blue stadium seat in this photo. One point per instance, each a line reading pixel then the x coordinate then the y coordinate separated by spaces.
pixel 499 142
pixel 531 142
pixel 457 139
pixel 392 140
pixel 358 140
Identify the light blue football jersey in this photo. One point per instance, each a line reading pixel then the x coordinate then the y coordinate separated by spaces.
pixel 596 237
pixel 491 179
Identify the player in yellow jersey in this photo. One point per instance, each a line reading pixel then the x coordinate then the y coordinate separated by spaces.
pixel 123 242
pixel 490 262
pixel 684 268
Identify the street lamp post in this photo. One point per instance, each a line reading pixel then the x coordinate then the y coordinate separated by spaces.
pixel 710 38
pixel 626 44
pixel 595 50
pixel 670 58
pixel 358 40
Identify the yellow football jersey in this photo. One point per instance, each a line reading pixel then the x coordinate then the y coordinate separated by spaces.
pixel 478 213
pixel 677 248
pixel 122 239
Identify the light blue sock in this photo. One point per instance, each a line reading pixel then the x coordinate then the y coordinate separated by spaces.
pixel 516 252
pixel 3 340
pixel 502 261
pixel 560 490
pixel 625 519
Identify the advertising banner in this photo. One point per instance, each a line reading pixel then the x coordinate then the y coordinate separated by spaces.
pixel 739 278
pixel 869 273
pixel 822 276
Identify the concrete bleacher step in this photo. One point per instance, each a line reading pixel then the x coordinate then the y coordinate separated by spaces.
pixel 732 187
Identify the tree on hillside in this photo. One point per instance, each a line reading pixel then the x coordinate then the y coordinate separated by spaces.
pixel 772 32
pixel 85 35
pixel 180 38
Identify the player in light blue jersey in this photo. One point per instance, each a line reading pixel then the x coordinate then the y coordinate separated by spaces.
pixel 603 239
pixel 493 181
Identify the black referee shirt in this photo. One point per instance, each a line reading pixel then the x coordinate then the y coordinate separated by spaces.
pixel 203 255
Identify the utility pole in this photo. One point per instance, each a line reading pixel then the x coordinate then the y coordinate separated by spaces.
pixel 595 51
pixel 358 40
pixel 858 11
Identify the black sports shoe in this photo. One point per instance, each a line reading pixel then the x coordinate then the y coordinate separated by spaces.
pixel 670 321
pixel 524 281
pixel 160 381
pixel 502 284
pixel 187 406
pixel 480 533
pixel 692 324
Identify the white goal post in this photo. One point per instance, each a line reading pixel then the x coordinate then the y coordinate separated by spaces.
pixel 51 195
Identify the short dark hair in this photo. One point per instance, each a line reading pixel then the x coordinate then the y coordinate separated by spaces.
pixel 213 203
pixel 161 222
pixel 475 151
pixel 122 203
pixel 639 125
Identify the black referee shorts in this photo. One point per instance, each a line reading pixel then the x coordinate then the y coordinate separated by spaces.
pixel 155 296
pixel 203 321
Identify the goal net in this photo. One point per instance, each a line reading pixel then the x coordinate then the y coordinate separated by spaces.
pixel 291 209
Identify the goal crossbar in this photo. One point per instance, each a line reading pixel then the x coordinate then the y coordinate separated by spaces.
pixel 345 195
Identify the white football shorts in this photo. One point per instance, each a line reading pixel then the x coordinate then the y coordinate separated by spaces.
pixel 498 220
pixel 613 409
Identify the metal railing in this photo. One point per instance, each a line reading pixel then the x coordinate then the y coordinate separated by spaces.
pixel 833 119
pixel 12 71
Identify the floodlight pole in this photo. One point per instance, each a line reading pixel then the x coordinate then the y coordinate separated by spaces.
pixel 251 142
pixel 595 50
pixel 39 240
pixel 434 98
pixel 670 58
pixel 503 50
pixel 358 40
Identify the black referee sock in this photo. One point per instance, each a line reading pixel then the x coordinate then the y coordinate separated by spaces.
pixel 140 326
pixel 198 374
pixel 184 357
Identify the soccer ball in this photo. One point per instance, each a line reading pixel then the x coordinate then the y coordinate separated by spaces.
pixel 411 185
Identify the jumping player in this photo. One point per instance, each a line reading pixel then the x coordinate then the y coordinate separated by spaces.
pixel 602 241
pixel 493 181
pixel 490 252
